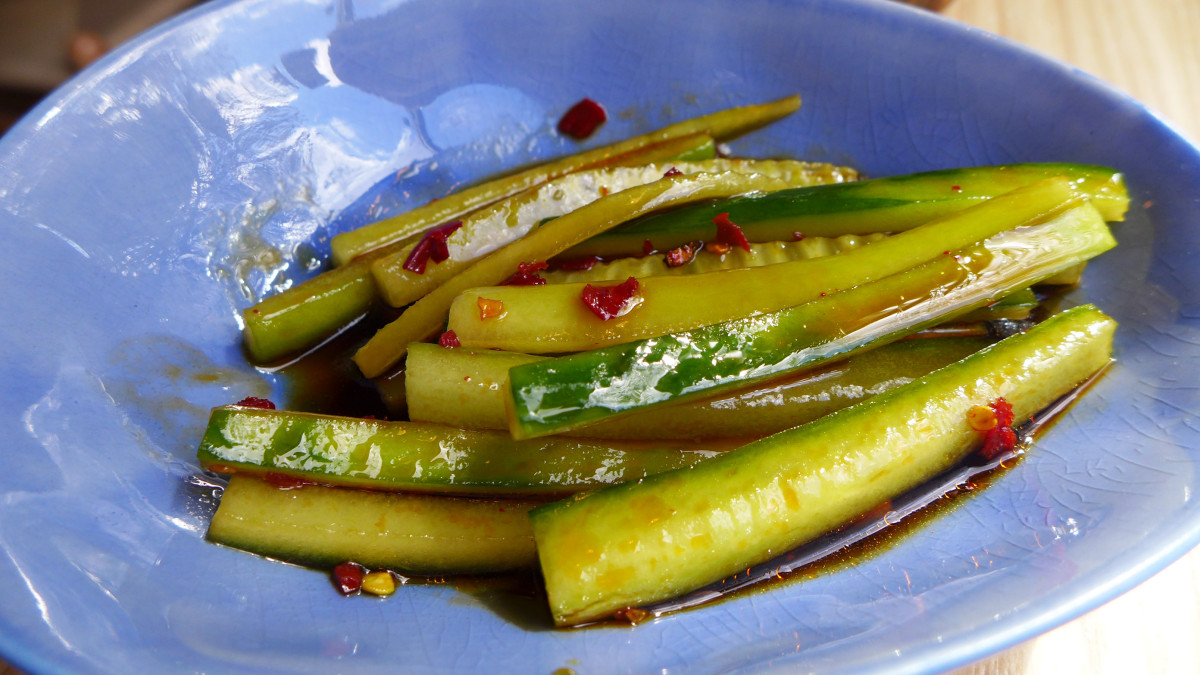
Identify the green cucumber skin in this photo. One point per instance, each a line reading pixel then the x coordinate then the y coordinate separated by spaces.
pixel 302 316
pixel 323 527
pixel 704 150
pixel 551 319
pixel 555 395
pixel 463 388
pixel 413 456
pixel 634 544
pixel 862 207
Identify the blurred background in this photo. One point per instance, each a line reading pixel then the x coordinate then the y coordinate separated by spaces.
pixel 44 42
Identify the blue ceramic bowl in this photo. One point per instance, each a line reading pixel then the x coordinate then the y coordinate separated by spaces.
pixel 149 199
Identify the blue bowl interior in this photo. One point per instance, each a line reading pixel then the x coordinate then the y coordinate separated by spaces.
pixel 208 163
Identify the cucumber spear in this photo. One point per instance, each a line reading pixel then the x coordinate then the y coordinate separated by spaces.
pixel 554 395
pixel 638 543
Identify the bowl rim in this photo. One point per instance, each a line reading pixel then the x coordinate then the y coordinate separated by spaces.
pixel 1099 586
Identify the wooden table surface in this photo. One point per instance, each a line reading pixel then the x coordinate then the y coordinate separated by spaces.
pixel 1147 48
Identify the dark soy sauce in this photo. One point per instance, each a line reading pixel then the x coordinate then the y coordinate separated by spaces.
pixel 325 380
pixel 876 530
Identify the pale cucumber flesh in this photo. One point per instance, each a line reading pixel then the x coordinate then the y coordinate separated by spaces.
pixel 415 534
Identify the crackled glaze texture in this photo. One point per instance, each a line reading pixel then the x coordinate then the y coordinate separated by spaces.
pixel 209 162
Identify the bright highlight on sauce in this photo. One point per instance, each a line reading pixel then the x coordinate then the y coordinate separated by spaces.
pixel 631 615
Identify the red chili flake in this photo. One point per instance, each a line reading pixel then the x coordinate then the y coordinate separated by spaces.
pixel 1000 438
pixel 582 119
pixel 284 481
pixel 631 615
pixel 673 171
pixel 1003 410
pixel 796 236
pixel 256 402
pixel 610 301
pixel 682 255
pixel 729 233
pixel 603 191
pixel 348 577
pixel 717 247
pixel 647 247
pixel 527 275
pixel 431 247
pixel 449 340
pixel 956 188
pixel 584 263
